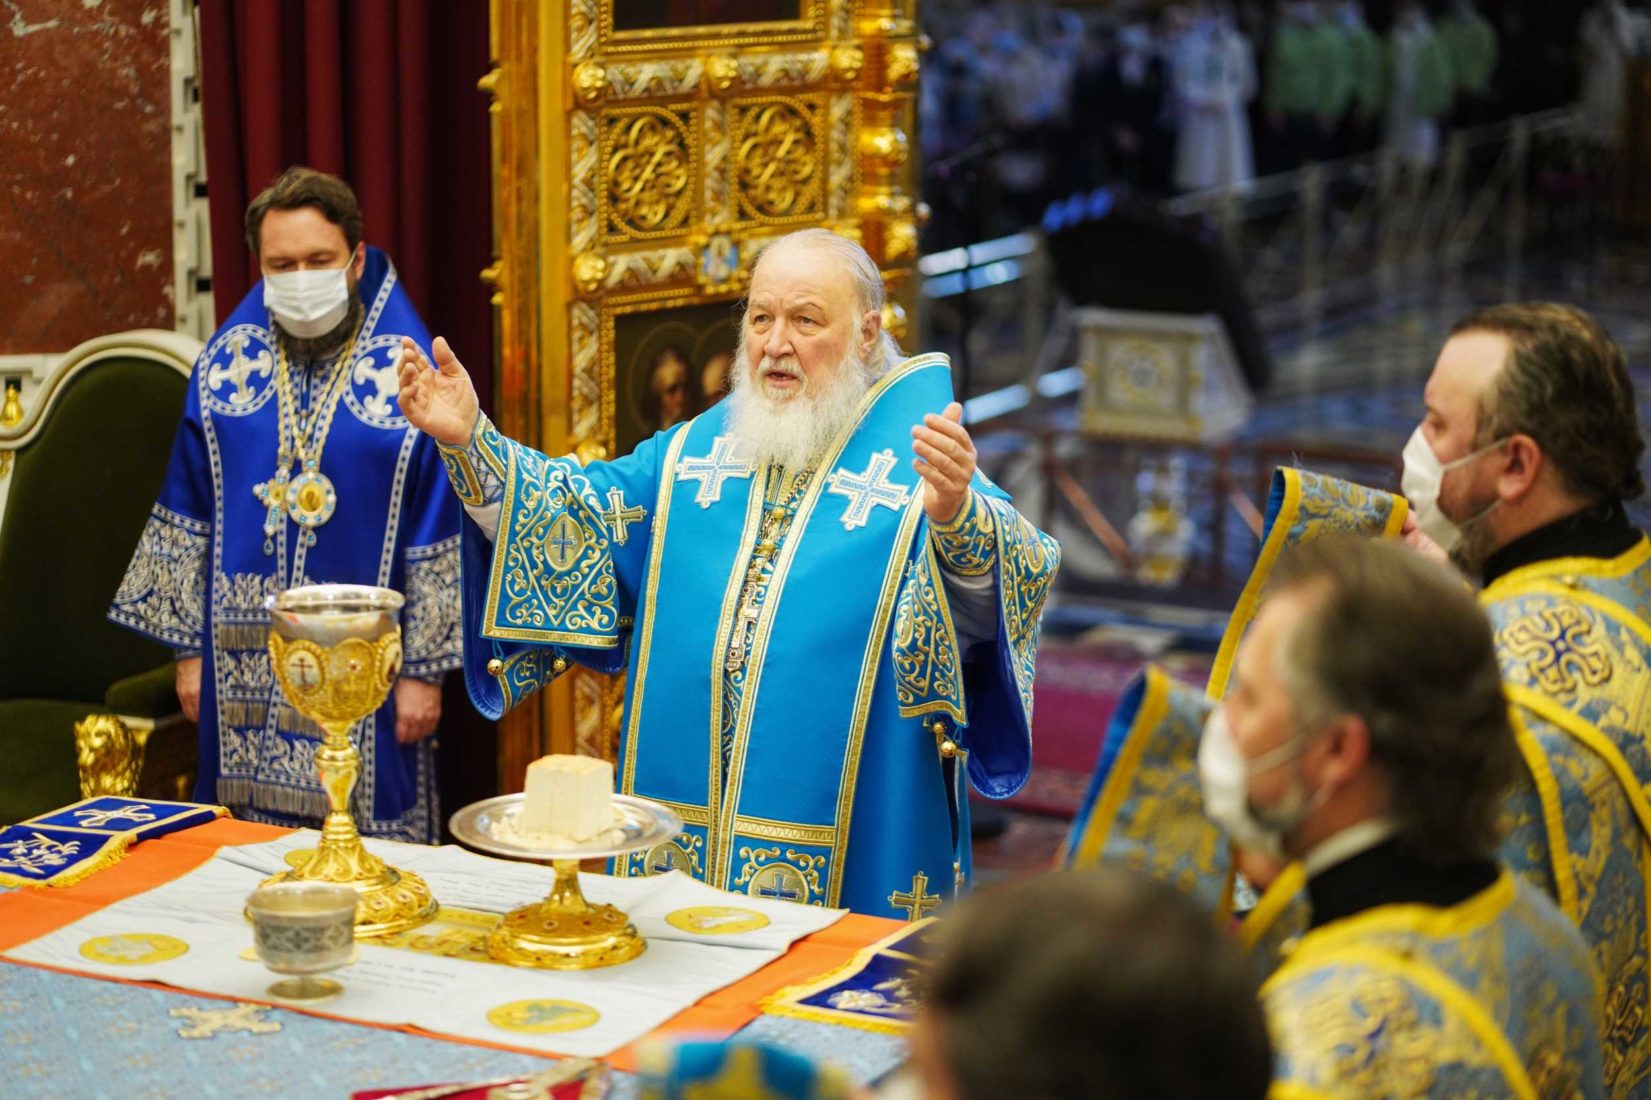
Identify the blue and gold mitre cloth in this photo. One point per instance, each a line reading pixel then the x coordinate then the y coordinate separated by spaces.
pixel 1573 637
pixel 878 990
pixel 1144 808
pixel 62 847
pixel 1303 506
pixel 1496 996
pixel 738 1069
pixel 854 678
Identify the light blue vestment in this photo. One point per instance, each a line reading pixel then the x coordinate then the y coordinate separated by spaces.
pixel 811 768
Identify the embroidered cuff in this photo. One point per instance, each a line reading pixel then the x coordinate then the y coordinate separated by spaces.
pixel 967 545
pixel 472 470
pixel 432 629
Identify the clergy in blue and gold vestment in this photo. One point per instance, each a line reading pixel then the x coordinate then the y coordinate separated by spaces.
pixel 294 465
pixel 1530 446
pixel 826 640
pixel 1376 757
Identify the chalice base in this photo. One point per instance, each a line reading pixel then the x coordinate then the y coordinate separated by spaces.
pixel 305 988
pixel 556 937
pixel 391 900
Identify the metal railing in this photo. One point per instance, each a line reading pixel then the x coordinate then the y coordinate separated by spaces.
pixel 1343 230
pixel 1310 240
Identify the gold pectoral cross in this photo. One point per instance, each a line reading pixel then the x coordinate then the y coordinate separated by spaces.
pixel 272 494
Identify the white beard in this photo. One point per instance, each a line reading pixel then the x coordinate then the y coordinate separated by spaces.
pixel 793 432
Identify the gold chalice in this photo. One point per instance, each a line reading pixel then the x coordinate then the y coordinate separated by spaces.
pixel 336 649
pixel 304 929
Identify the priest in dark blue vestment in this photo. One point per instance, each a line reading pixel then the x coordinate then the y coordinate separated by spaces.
pixel 294 465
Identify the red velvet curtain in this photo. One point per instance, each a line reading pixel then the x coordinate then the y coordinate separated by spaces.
pixel 382 93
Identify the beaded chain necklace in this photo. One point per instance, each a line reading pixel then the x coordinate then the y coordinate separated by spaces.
pixel 307 497
pixel 767 543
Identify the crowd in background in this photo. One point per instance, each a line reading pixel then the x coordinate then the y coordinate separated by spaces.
pixel 1024 102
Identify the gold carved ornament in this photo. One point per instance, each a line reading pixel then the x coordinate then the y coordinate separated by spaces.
pixel 776 161
pixel 648 172
pixel 11 415
pixel 109 754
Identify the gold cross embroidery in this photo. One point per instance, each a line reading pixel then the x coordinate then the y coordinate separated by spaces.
pixel 207 1022
pixel 619 518
pixel 918 901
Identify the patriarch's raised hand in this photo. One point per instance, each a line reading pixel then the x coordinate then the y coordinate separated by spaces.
pixel 946 462
pixel 439 401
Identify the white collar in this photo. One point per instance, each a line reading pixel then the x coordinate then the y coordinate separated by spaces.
pixel 1351 841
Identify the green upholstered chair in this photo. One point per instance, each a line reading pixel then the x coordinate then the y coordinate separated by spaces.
pixel 80 467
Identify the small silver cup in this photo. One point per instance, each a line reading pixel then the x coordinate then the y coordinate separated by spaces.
pixel 303 928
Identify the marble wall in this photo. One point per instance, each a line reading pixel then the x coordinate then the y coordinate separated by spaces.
pixel 85 171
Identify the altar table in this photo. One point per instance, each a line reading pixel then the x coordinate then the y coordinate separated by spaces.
pixel 70 1035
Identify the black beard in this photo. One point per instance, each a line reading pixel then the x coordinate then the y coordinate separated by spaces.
pixel 329 343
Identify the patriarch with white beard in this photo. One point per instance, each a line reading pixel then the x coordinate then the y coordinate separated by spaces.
pixel 744 566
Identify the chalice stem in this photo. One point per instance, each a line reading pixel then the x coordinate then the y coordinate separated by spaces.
pixel 339 765
pixel 565 894
pixel 340 857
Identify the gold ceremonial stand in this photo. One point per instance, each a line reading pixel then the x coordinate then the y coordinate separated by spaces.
pixel 336 650
pixel 564 931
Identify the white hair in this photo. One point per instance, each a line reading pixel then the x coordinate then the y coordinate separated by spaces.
pixel 867 281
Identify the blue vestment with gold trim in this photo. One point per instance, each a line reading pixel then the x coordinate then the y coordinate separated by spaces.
pixel 1144 807
pixel 1495 996
pixel 200 574
pixel 799 735
pixel 1574 639
pixel 1575 648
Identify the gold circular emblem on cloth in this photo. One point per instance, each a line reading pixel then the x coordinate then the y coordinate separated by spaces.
pixel 669 856
pixel 779 882
pixel 716 920
pixel 133 948
pixel 539 1017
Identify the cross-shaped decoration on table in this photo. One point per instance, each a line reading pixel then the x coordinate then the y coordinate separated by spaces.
pixel 96 819
pixel 619 518
pixel 239 370
pixel 565 541
pixel 869 489
pixel 918 901
pixel 712 470
pixel 207 1022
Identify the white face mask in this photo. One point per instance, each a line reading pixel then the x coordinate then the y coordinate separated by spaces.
pixel 1224 775
pixel 1423 475
pixel 308 303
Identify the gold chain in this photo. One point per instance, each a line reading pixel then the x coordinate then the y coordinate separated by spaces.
pixel 745 612
pixel 319 427
pixel 309 498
